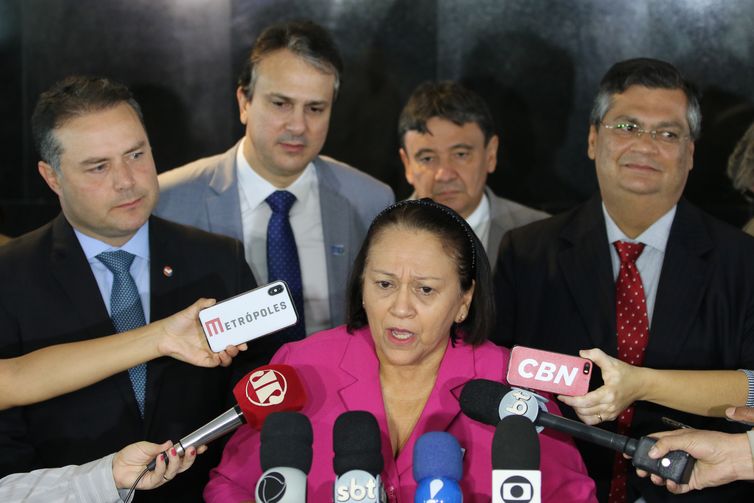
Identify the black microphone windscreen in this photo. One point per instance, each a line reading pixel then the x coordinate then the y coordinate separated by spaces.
pixel 286 441
pixel 480 400
pixel 356 442
pixel 515 445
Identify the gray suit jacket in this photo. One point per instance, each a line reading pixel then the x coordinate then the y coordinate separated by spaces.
pixel 204 194
pixel 506 215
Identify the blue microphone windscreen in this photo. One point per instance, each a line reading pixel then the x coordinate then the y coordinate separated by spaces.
pixel 437 454
pixel 515 445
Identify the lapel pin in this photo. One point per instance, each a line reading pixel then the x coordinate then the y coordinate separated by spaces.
pixel 167 271
pixel 338 250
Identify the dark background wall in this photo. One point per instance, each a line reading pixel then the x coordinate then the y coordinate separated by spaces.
pixel 537 62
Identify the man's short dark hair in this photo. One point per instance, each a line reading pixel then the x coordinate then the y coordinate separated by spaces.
pixel 69 98
pixel 650 73
pixel 305 39
pixel 446 100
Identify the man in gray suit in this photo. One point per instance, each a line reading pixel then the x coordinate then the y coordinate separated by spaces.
pixel 285 96
pixel 448 147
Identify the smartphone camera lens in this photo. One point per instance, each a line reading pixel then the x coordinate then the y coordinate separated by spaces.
pixel 587 367
pixel 275 290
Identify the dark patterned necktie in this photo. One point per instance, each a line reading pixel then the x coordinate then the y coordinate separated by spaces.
pixel 282 258
pixel 126 311
pixel 632 329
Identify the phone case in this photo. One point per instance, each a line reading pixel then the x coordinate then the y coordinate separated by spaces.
pixel 548 371
pixel 248 316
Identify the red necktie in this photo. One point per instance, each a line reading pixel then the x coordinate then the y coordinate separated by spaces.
pixel 632 329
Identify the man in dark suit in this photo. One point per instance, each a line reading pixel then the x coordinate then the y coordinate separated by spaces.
pixel 58 286
pixel 560 283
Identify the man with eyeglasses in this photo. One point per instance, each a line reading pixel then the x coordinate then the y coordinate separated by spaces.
pixel 639 273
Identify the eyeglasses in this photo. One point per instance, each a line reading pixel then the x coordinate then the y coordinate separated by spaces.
pixel 629 130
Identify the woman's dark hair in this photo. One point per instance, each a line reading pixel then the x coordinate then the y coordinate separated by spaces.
pixel 461 244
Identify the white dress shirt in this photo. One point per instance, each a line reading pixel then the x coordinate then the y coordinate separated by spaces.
pixel 138 245
pixel 479 220
pixel 649 263
pixel 306 221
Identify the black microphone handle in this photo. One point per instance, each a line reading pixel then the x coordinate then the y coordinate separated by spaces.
pixel 675 465
pixel 603 438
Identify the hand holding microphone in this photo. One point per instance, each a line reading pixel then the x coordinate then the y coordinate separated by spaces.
pixel 267 389
pixel 489 401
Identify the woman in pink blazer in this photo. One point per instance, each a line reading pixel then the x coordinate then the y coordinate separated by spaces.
pixel 419 314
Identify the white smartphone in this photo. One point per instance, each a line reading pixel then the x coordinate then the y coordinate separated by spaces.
pixel 248 316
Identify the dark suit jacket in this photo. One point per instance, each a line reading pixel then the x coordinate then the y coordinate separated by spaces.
pixel 49 296
pixel 555 291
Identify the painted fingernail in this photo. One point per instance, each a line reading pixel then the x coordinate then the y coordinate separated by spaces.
pixel 192 452
pixel 172 452
pixel 164 456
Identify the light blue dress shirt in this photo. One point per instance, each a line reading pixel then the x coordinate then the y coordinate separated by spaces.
pixel 138 245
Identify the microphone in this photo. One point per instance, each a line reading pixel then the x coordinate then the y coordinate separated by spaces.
pixel 515 462
pixel 286 457
pixel 489 401
pixel 267 389
pixel 438 467
pixel 358 459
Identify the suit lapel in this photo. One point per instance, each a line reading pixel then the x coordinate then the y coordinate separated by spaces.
pixel 443 405
pixel 71 269
pixel 163 254
pixel 364 391
pixel 497 216
pixel 223 203
pixel 584 261
pixel 684 280
pixel 340 245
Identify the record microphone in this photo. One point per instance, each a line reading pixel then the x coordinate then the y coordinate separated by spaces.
pixel 490 401
pixel 264 390
pixel 438 467
pixel 286 457
pixel 358 459
pixel 515 462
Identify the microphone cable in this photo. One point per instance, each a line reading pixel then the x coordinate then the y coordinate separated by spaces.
pixel 138 479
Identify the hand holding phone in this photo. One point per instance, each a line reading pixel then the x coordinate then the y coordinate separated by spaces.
pixel 248 316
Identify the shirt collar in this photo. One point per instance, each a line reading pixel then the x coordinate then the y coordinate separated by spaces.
pixel 656 235
pixel 481 214
pixel 257 189
pixel 138 244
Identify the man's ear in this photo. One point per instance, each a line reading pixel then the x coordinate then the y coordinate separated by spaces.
pixel 50 176
pixel 490 152
pixel 591 150
pixel 406 166
pixel 243 101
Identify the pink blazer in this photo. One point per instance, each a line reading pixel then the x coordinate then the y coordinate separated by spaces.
pixel 340 372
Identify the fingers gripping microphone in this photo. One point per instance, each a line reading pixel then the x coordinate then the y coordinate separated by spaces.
pixel 358 459
pixel 267 389
pixel 438 467
pixel 286 457
pixel 515 462
pixel 489 401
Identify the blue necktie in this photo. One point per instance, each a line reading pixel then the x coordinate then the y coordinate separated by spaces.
pixel 282 257
pixel 126 311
